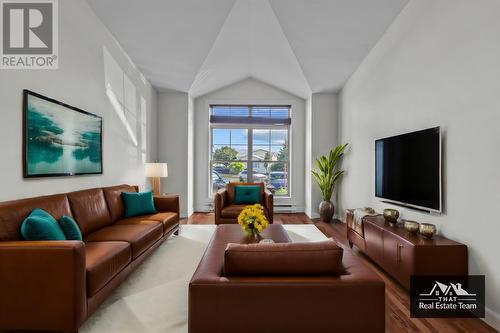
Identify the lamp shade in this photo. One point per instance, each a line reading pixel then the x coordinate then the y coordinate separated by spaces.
pixel 156 170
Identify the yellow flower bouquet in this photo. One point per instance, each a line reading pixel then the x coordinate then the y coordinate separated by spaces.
pixel 253 220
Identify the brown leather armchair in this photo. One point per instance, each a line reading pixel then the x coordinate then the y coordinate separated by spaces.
pixel 226 211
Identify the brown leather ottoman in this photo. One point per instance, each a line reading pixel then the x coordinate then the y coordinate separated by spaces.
pixel 351 302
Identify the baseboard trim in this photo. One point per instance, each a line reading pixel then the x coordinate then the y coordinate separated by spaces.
pixel 202 209
pixel 492 318
pixel 313 216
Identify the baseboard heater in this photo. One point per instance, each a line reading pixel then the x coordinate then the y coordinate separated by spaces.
pixel 285 208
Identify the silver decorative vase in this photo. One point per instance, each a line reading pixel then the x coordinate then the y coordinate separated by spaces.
pixel 326 210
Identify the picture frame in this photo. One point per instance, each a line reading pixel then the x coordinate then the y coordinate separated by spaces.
pixel 59 139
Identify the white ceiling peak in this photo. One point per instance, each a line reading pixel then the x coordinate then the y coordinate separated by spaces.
pixel 198 46
pixel 332 37
pixel 167 39
pixel 251 44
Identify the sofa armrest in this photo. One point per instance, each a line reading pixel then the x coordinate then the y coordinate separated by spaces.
pixel 43 285
pixel 220 201
pixel 167 203
pixel 269 203
pixel 221 198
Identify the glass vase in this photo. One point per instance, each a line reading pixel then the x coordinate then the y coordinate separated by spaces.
pixel 254 236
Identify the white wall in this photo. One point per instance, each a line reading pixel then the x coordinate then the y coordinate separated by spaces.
pixel 321 137
pixel 79 81
pixel 190 167
pixel 308 182
pixel 173 143
pixel 437 65
pixel 248 91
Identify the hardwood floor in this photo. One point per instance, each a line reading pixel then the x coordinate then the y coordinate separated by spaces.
pixel 397 299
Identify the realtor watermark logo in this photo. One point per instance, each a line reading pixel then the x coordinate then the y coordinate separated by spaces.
pixel 447 296
pixel 29 35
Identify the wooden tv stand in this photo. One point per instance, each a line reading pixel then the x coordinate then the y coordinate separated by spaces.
pixel 402 254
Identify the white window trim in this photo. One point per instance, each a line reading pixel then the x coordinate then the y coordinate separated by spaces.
pixel 250 141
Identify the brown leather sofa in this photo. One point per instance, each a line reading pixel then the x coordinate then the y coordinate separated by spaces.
pixel 352 302
pixel 57 285
pixel 226 211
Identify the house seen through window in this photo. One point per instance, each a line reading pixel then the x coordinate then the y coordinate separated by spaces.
pixel 251 144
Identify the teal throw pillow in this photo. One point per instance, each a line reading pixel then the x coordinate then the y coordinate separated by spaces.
pixel 40 225
pixel 70 228
pixel 248 194
pixel 138 203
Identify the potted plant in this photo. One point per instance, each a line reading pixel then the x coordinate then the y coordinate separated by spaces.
pixel 326 176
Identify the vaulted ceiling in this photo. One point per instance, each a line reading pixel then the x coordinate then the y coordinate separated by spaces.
pixel 198 46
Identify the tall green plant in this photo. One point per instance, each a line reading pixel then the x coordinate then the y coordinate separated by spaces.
pixel 327 175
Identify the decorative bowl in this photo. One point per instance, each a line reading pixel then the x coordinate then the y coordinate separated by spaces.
pixel 391 215
pixel 427 230
pixel 412 226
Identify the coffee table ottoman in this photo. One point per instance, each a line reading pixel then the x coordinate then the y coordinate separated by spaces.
pixel 351 302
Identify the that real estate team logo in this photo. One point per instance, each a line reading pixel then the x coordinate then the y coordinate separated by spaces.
pixel 448 296
pixel 29 35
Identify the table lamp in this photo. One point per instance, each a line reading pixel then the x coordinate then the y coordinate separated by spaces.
pixel 156 171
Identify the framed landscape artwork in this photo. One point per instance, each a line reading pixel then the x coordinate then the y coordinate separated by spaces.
pixel 59 139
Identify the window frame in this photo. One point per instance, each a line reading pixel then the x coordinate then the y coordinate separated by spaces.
pixel 250 127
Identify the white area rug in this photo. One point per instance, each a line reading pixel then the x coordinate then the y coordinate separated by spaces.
pixel 155 297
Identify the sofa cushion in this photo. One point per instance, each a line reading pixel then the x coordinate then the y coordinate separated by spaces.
pixel 230 187
pixel 283 259
pixel 113 196
pixel 40 225
pixel 70 228
pixel 138 203
pixel 232 211
pixel 13 213
pixel 140 236
pixel 89 209
pixel 137 220
pixel 103 260
pixel 168 220
pixel 247 194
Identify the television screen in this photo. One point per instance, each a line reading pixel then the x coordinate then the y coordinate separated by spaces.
pixel 408 169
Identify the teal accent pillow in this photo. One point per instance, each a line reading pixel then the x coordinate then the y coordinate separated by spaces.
pixel 40 225
pixel 248 194
pixel 70 228
pixel 138 203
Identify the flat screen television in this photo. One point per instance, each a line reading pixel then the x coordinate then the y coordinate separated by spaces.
pixel 408 169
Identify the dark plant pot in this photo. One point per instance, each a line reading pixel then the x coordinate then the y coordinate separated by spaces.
pixel 326 210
